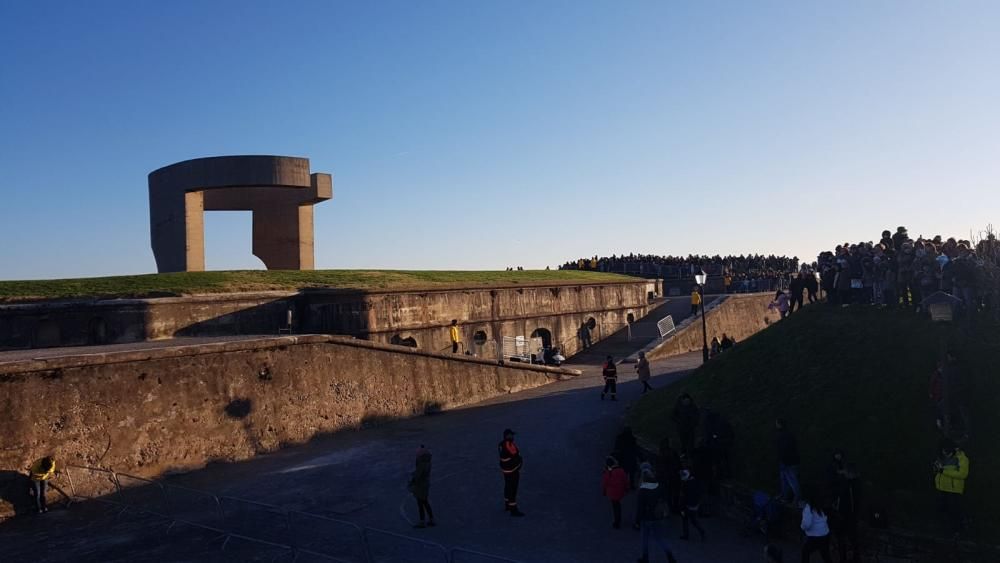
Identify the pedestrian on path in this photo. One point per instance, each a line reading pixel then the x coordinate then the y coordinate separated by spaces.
pixel 642 369
pixel 844 484
pixel 610 373
pixel 669 465
pixel 585 336
pixel 649 515
pixel 627 452
pixel 686 417
pixel 510 466
pixel 692 492
pixel 780 303
pixel 453 335
pixel 614 485
pixel 420 487
pixel 41 471
pixel 817 531
pixel 788 461
pixel 695 300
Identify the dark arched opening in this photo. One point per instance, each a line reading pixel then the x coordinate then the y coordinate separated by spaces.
pixel 591 323
pixel 630 318
pixel 544 334
pixel 97 331
pixel 409 341
pixel 480 338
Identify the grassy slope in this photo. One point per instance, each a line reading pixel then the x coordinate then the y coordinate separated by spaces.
pixel 186 283
pixel 856 379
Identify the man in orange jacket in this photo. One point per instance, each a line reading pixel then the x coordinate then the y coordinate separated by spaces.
pixel 510 466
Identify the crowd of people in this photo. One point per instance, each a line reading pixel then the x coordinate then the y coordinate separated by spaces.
pixel 751 266
pixel 900 270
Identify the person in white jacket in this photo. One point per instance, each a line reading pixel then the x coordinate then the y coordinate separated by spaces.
pixel 817 530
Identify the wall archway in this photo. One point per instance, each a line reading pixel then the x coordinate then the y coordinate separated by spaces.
pixel 407 341
pixel 544 334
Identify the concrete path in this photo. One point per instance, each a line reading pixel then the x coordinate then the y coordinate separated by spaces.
pixel 564 432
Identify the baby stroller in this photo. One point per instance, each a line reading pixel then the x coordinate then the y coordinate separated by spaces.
pixel 764 517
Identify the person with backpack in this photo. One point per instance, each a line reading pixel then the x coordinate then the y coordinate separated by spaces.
pixel 817 531
pixel 692 492
pixel 420 486
pixel 649 515
pixel 610 373
pixel 614 485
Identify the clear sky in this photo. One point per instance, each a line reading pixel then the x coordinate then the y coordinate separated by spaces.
pixel 484 134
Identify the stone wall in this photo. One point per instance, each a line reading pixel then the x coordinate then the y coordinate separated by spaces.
pixel 151 411
pixel 484 315
pixel 386 316
pixel 738 316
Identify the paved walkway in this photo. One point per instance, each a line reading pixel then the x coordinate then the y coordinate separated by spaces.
pixel 565 432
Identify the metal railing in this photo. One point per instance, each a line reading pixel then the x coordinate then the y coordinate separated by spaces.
pixel 262 524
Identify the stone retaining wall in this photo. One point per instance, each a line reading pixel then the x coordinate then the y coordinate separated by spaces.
pixel 168 409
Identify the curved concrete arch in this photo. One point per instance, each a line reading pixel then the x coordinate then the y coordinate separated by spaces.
pixel 279 190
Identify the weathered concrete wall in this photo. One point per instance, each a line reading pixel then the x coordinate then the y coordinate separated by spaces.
pixel 117 321
pixel 387 316
pixel 178 408
pixel 509 311
pixel 739 316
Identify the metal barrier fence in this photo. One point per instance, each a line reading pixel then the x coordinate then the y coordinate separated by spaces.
pixel 293 535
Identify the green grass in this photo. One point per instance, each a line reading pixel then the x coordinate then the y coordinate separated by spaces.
pixel 188 283
pixel 856 379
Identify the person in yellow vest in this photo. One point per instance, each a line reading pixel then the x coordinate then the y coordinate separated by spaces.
pixel 41 471
pixel 952 469
pixel 695 300
pixel 455 338
pixel 729 281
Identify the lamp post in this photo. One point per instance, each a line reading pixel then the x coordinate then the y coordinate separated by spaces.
pixel 700 279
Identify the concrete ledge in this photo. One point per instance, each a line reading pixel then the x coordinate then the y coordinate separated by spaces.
pixel 82 358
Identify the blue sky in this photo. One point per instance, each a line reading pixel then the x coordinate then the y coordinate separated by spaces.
pixel 485 134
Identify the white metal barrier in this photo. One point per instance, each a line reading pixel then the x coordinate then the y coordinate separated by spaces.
pixel 666 325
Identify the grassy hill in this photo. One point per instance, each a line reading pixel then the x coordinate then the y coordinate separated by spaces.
pixel 857 379
pixel 188 283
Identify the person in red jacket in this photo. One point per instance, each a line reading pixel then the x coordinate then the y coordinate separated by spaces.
pixel 610 373
pixel 614 485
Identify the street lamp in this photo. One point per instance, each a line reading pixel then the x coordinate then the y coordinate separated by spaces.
pixel 700 279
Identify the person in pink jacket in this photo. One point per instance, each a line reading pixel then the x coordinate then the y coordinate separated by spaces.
pixel 614 485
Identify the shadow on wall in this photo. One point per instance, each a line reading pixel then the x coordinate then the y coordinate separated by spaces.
pixel 15 492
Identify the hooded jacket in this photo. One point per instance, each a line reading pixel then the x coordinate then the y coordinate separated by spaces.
pixel 649 497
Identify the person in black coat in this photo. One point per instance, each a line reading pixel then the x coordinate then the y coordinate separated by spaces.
pixel 686 417
pixel 692 493
pixel 627 453
pixel 788 461
pixel 795 289
pixel 648 515
pixel 812 286
pixel 669 465
pixel 844 488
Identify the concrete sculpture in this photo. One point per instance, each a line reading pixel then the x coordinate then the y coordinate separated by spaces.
pixel 279 190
